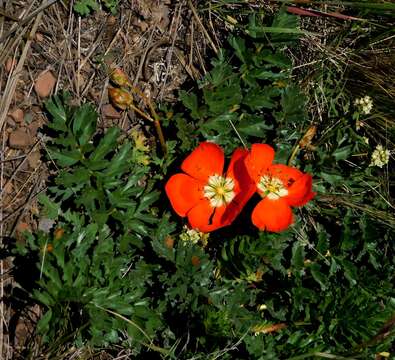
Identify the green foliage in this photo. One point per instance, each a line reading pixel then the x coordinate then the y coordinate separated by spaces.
pixel 113 270
pixel 102 201
pixel 85 7
pixel 248 93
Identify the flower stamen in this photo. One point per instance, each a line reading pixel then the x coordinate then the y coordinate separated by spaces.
pixel 219 190
pixel 271 187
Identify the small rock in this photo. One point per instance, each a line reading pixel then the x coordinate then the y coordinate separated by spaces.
pixel 39 37
pixel 8 188
pixel 17 115
pixel 45 224
pixel 111 20
pixel 110 112
pixel 19 139
pixel 33 127
pixel 44 84
pixel 34 159
pixel 10 122
pixel 10 64
pixel 141 24
pixel 28 117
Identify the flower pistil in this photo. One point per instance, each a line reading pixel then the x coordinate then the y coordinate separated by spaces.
pixel 271 187
pixel 219 190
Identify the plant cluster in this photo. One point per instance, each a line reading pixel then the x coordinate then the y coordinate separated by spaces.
pixel 118 268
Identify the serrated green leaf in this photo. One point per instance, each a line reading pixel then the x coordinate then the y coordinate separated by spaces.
pixel 120 162
pixel 106 145
pixel 298 256
pixel 147 200
pixel 190 101
pixel 318 275
pixel 239 46
pixel 66 158
pixel 84 123
pixel 43 324
pixel 84 7
pixel 51 208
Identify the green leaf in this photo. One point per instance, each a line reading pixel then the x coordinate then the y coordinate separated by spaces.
pixel 66 158
pixel 298 254
pixel 256 99
pixel 84 7
pixel 318 275
pixel 343 152
pixel 106 145
pixel 43 297
pixel 147 200
pixel 120 162
pixel 239 46
pixel 263 74
pixel 253 126
pixel 190 101
pixel 56 108
pixel 43 324
pixel 84 123
pixel 51 209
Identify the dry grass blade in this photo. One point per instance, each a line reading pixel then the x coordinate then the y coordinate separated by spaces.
pixel 206 34
pixel 14 76
pixel 28 18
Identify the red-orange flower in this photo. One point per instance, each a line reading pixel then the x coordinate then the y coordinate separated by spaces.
pixel 208 198
pixel 280 186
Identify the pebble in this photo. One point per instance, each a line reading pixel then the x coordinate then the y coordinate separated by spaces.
pixel 110 112
pixel 10 64
pixel 19 139
pixel 34 159
pixel 17 115
pixel 44 84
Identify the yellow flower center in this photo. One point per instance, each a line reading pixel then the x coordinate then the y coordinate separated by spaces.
pixel 219 190
pixel 271 187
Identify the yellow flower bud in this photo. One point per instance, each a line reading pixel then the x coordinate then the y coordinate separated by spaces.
pixel 120 98
pixel 118 77
pixel 58 233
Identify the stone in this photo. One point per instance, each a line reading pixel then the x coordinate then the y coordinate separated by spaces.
pixel 34 159
pixel 10 64
pixel 19 139
pixel 33 127
pixel 44 84
pixel 110 112
pixel 17 115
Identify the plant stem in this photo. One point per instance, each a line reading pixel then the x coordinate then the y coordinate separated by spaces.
pixel 154 114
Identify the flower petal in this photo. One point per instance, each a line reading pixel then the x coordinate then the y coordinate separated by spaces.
pixel 287 174
pixel 272 215
pixel 205 218
pixel 206 160
pixel 184 192
pixel 299 193
pixel 260 158
pixel 244 186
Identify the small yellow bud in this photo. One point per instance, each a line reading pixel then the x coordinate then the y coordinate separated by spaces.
pixel 169 242
pixel 58 233
pixel 118 77
pixel 120 98
pixel 195 261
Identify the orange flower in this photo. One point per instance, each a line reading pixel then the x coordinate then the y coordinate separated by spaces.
pixel 208 198
pixel 280 186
